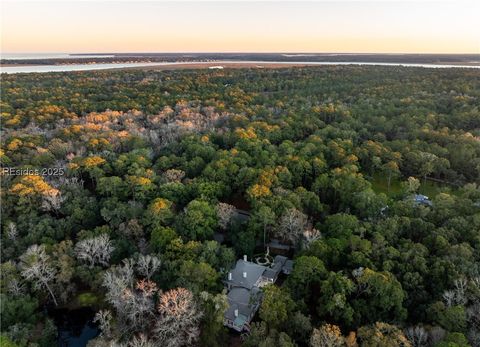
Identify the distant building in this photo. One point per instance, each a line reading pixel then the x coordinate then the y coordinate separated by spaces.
pixel 215 67
pixel 244 283
pixel 419 199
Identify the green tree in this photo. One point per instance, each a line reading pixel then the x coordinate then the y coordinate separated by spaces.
pixel 379 296
pixel 277 306
pixel 213 332
pixel 304 281
pixel 198 222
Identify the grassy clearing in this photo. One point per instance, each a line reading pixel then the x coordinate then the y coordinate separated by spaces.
pixel 429 188
pixel 86 299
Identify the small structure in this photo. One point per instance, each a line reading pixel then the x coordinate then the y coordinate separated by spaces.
pixel 419 199
pixel 277 247
pixel 241 215
pixel 244 283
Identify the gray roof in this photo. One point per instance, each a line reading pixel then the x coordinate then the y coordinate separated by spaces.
pixel 243 294
pixel 279 259
pixel 288 266
pixel 254 272
pixel 270 273
pixel 243 300
pixel 422 199
pixel 276 267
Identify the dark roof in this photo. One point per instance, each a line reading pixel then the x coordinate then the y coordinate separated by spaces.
pixel 287 267
pixel 270 273
pixel 254 272
pixel 279 259
pixel 278 245
pixel 243 300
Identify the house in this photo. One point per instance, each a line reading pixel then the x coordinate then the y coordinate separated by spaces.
pixel 244 283
pixel 419 199
pixel 242 306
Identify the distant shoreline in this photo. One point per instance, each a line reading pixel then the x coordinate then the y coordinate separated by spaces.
pixel 200 64
pixel 235 64
pixel 112 58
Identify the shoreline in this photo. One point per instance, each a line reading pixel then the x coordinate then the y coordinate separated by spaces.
pixel 472 63
pixel 220 64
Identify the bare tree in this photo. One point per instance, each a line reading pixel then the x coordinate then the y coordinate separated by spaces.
pixel 35 267
pixel 96 250
pixel 460 291
pixel 179 317
pixel 141 341
pixel 225 212
pixel 292 225
pixel 173 175
pixel 132 300
pixel 310 234
pixel 52 200
pixel 15 287
pixel 104 320
pixel 417 336
pixel 327 335
pixel 457 296
pixel 12 232
pixel 449 297
pixel 147 265
pixel 475 282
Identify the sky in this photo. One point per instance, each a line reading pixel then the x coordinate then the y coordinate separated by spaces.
pixel 86 26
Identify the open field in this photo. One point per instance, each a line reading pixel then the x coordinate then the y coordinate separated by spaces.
pixel 429 188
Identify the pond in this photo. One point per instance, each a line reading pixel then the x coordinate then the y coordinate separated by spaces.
pixel 75 327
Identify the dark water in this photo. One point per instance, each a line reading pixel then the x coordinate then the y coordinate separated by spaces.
pixel 75 327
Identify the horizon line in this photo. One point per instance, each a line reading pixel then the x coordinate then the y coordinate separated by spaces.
pixel 237 52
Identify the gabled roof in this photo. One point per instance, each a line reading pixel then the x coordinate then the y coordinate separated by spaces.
pixel 276 267
pixel 253 271
pixel 243 300
pixel 244 294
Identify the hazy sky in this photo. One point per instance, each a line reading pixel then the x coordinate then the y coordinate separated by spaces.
pixel 240 26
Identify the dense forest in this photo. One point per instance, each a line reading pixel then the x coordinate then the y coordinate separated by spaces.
pixel 116 186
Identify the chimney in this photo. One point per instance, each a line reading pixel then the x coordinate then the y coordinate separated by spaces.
pixel 229 276
pixel 235 312
pixel 244 257
pixel 244 274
